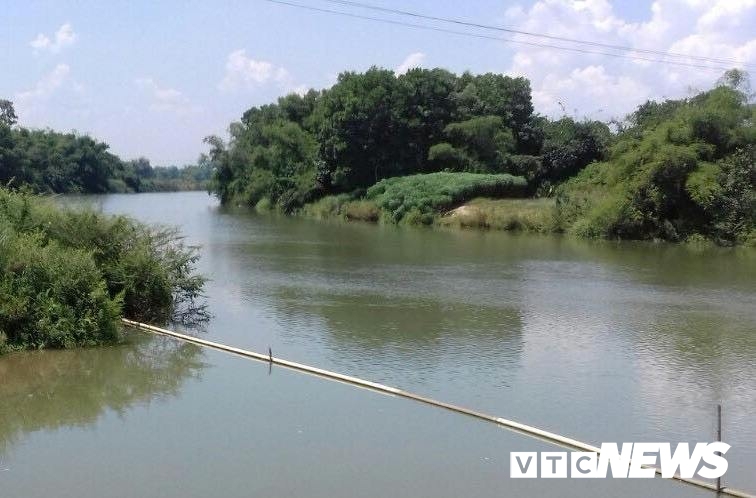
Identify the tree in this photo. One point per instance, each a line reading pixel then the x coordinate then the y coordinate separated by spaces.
pixel 568 147
pixel 733 203
pixel 652 113
pixel 483 144
pixel 495 95
pixel 738 80
pixel 422 109
pixel 300 108
pixel 687 171
pixel 7 113
pixel 358 139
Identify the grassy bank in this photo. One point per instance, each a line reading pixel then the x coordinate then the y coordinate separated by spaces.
pixel 531 215
pixel 67 276
pixel 415 199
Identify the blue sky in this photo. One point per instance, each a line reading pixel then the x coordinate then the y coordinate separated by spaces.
pixel 154 78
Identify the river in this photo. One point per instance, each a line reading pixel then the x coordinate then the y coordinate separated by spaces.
pixel 599 341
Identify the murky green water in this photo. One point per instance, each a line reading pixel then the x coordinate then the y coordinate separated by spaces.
pixel 597 341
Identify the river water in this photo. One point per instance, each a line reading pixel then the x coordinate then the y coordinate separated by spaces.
pixel 597 341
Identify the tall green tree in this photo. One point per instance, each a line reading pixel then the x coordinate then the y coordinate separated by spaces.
pixel 422 108
pixel 7 113
pixel 358 136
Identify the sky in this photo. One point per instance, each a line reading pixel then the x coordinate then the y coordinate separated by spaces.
pixel 153 79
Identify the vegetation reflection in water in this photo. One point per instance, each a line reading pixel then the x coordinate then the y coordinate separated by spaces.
pixel 47 390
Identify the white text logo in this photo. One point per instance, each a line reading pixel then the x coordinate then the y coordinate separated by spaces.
pixel 634 460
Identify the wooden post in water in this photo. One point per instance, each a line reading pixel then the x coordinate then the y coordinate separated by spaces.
pixel 719 438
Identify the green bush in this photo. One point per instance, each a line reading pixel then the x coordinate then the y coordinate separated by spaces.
pixel 52 296
pixel 419 197
pixel 447 157
pixel 66 276
pixel 733 207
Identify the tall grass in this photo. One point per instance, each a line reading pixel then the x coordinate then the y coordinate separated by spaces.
pixel 343 206
pixel 531 215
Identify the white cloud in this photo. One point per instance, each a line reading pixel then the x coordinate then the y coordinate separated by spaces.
pixel 299 89
pixel 55 93
pixel 728 13
pixel 245 73
pixel 46 86
pixel 62 38
pixel 595 85
pixel 413 60
pixel 603 87
pixel 164 98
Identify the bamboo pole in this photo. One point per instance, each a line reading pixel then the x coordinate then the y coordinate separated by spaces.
pixel 719 438
pixel 534 432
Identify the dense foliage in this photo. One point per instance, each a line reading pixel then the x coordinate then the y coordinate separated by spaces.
pixel 376 125
pixel 682 169
pixel 418 197
pixel 48 161
pixel 67 276
pixel 55 162
pixel 671 170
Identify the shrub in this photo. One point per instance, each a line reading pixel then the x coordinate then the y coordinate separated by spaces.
pixel 263 205
pixel 733 206
pixel 447 157
pixel 327 207
pixel 51 296
pixel 67 275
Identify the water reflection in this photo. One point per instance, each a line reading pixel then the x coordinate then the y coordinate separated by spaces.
pixel 45 390
pixel 406 340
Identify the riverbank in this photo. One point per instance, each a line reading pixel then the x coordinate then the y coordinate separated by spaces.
pixel 414 199
pixel 531 215
pixel 679 170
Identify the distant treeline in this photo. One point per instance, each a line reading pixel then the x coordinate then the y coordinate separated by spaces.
pixel 671 170
pixel 139 176
pixel 49 161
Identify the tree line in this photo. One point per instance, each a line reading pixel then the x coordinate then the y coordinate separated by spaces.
pixel 676 170
pixel 670 170
pixel 375 125
pixel 49 161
